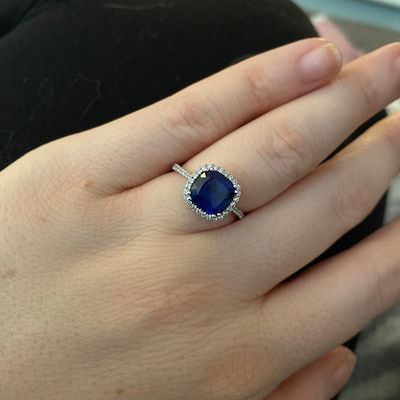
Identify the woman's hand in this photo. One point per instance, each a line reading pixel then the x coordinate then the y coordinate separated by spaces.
pixel 112 288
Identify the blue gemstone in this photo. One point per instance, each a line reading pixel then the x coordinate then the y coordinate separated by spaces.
pixel 212 192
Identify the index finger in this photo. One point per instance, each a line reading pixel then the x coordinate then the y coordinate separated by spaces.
pixel 173 130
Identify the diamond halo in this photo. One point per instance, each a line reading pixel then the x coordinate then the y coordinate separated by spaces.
pixel 191 178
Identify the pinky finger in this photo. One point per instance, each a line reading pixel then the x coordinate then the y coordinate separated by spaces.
pixel 320 380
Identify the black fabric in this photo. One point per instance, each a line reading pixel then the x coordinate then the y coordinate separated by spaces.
pixel 66 66
pixel 69 65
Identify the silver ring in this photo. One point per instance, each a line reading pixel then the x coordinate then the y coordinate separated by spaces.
pixel 211 192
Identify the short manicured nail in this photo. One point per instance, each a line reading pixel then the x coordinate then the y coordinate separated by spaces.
pixel 320 62
pixel 342 374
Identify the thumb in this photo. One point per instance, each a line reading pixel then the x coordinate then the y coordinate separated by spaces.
pixel 320 380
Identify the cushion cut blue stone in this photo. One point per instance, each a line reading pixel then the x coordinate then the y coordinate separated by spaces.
pixel 212 192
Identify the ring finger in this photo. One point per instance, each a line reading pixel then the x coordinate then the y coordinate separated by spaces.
pixel 274 151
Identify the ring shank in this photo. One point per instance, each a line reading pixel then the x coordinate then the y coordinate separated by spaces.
pixel 238 213
pixel 177 168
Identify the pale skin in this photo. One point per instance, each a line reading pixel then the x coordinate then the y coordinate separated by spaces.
pixel 112 288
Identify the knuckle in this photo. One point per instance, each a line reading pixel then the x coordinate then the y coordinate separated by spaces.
pixel 390 127
pixel 191 120
pixel 375 286
pixel 259 85
pixel 351 200
pixel 382 286
pixel 286 150
pixel 367 93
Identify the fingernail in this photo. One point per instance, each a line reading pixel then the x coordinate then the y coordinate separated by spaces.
pixel 320 62
pixel 342 374
pixel 319 17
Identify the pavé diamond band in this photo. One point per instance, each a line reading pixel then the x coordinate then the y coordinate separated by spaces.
pixel 211 192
